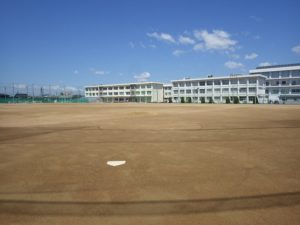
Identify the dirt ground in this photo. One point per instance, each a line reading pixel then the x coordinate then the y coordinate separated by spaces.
pixel 185 164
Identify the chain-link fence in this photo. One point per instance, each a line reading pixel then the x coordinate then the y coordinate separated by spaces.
pixel 33 93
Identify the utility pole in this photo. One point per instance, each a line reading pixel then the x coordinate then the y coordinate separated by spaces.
pixel 32 86
pixel 13 89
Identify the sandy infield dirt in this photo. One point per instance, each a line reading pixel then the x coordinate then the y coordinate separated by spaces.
pixel 185 164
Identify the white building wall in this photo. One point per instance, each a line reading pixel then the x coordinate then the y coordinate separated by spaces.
pixel 282 83
pixel 130 92
pixel 246 87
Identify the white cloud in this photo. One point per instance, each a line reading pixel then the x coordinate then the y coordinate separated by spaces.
pixel 234 56
pixel 70 88
pixel 217 40
pixel 162 37
pixel 296 49
pixel 21 86
pixel 76 72
pixel 131 44
pixel 251 56
pixel 55 87
pixel 98 72
pixel 152 46
pixel 186 40
pixel 142 77
pixel 265 64
pixel 233 65
pixel 178 52
pixel 142 45
pixel 199 47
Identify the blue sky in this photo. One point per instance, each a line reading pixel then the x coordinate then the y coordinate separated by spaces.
pixel 92 42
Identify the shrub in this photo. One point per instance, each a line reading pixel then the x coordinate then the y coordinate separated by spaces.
pixel 182 100
pixel 227 100
pixel 236 100
pixel 170 100
pixel 202 100
pixel 189 100
pixel 211 101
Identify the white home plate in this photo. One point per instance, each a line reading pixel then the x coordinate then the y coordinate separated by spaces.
pixel 115 163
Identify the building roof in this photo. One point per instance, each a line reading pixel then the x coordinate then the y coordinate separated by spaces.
pixel 221 77
pixel 276 66
pixel 124 84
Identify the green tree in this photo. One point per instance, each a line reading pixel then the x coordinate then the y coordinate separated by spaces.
pixel 211 101
pixel 189 100
pixel 202 100
pixel 182 100
pixel 236 100
pixel 227 100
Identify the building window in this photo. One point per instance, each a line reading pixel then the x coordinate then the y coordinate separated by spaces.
pixel 188 91
pixel 195 91
pixel 285 73
pixel 217 82
pixel 295 91
pixel 181 91
pixel 243 81
pixel 175 84
pixel 175 91
pixel 233 81
pixel 121 93
pixel 115 93
pixel 242 98
pixel 209 91
pixel 127 93
pixel 225 90
pixel 243 90
pixel 267 74
pixel 252 81
pixel 274 74
pixel 274 91
pixel 149 86
pixel 217 90
pixel 209 83
pixel 285 91
pixel 202 91
pixel 283 82
pixel 225 82
pixel 195 84
pixel 188 84
pixel 296 73
pixel 143 87
pixel 202 83
pixel 234 90
pixel 252 89
pixel 181 84
pixel 148 92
